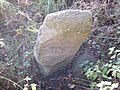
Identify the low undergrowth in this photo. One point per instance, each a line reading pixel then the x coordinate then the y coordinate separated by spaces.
pixel 104 75
pixel 19 23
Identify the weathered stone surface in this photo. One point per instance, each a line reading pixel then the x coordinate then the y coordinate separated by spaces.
pixel 60 37
pixel 81 59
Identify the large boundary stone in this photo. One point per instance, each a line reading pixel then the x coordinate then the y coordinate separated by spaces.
pixel 60 37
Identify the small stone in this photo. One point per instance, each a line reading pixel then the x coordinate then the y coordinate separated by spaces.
pixel 79 60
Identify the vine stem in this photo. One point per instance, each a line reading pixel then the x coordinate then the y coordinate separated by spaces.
pixel 14 83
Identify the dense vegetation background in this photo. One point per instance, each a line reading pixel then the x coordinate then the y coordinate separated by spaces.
pixel 19 23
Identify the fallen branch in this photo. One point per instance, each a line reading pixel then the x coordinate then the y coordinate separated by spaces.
pixel 14 83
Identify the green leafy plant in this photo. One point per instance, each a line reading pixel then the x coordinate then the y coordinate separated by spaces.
pixel 105 85
pixel 101 70
pixel 26 86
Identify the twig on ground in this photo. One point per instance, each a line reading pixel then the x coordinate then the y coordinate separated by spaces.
pixel 14 83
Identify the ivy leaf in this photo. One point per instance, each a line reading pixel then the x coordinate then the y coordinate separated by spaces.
pixel 94 77
pixel 98 71
pixel 33 86
pixel 25 87
pixel 114 73
pixel 27 78
pixel 2 44
pixel 104 76
pixel 111 50
pixel 92 85
pixel 117 51
pixel 115 85
pixel 106 83
pixel 118 75
pixel 104 71
pixel 72 86
pixel 99 85
pixel 118 27
pixel 113 56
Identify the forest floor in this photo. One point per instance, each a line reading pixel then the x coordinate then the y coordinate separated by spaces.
pixel 18 31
